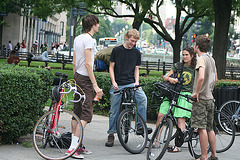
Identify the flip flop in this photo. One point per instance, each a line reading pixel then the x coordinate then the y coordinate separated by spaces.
pixel 172 149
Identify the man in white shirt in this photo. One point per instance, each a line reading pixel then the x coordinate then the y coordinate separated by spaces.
pixel 83 60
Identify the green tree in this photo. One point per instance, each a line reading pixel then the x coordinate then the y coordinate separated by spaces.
pixel 193 11
pixel 119 24
pixel 105 29
pixel 138 7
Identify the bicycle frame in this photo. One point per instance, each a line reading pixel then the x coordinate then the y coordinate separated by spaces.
pixel 235 116
pixel 126 104
pixel 55 118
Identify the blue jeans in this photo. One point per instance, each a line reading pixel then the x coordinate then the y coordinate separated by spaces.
pixel 141 100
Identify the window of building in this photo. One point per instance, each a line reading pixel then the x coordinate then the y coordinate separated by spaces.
pixel 61 28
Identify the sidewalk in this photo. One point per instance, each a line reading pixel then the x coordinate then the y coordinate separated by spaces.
pixel 95 137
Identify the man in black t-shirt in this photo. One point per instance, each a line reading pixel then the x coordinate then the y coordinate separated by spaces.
pixel 124 72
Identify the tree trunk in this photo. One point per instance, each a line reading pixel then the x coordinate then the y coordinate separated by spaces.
pixel 222 9
pixel 136 23
pixel 176 51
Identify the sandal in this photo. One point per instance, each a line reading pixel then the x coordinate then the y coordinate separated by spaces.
pixel 173 151
pixel 213 158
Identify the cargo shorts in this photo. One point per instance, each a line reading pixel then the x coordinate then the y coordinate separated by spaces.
pixel 202 115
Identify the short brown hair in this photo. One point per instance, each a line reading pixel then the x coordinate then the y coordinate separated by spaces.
pixel 203 42
pixel 133 33
pixel 88 22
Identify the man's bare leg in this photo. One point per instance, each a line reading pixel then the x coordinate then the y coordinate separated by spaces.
pixel 212 142
pixel 203 136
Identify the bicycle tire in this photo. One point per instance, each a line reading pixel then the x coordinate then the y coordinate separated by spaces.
pixel 230 108
pixel 157 149
pixel 224 140
pixel 128 131
pixel 53 146
pixel 194 144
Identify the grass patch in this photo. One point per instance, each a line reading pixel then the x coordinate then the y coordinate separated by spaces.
pixel 28 144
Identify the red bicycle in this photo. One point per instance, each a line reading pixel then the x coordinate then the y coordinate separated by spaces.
pixel 52 132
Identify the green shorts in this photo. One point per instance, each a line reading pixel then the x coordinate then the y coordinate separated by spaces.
pixel 203 114
pixel 178 112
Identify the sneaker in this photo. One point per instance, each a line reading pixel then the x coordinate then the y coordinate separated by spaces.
pixel 69 151
pixel 78 155
pixel 84 151
pixel 110 141
pixel 140 131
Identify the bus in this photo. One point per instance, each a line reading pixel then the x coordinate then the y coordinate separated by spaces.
pixel 107 42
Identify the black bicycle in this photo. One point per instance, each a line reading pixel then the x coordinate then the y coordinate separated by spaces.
pixel 131 127
pixel 163 133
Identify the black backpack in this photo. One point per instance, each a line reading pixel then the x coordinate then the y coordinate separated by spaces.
pixel 176 87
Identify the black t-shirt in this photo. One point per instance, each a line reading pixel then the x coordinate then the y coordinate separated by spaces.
pixel 125 62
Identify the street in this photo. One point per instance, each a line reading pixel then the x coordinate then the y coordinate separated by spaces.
pixel 95 137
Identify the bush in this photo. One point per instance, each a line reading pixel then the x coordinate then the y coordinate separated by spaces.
pixel 104 82
pixel 24 92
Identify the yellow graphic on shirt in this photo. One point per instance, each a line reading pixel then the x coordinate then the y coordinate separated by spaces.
pixel 187 77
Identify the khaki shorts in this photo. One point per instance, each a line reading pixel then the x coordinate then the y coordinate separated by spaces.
pixel 85 111
pixel 203 114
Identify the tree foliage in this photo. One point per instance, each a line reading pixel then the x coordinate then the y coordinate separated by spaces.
pixel 139 9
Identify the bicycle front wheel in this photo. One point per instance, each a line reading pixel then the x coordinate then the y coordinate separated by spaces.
pixel 132 131
pixel 53 145
pixel 194 143
pixel 230 108
pixel 160 140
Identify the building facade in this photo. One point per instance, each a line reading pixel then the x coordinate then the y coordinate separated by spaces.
pixel 30 29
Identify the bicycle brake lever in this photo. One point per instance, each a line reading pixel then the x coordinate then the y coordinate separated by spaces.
pixel 81 96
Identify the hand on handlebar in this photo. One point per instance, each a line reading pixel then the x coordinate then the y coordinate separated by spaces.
pixel 115 86
pixel 173 80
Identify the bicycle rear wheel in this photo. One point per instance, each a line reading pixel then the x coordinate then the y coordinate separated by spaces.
pixel 230 108
pixel 132 131
pixel 47 143
pixel 160 140
pixel 224 140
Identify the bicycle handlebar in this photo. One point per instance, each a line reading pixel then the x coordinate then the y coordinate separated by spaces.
pixel 74 89
pixel 135 87
pixel 178 93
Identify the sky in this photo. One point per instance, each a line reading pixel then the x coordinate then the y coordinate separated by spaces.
pixel 171 10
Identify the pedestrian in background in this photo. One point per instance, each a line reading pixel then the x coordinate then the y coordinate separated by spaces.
pixel 13 58
pixel 83 61
pixel 203 110
pixel 9 47
pixel 17 48
pixel 24 46
pixel 35 46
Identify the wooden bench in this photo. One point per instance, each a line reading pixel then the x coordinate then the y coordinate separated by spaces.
pixel 57 58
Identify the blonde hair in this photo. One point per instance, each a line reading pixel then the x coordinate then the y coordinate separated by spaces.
pixel 133 33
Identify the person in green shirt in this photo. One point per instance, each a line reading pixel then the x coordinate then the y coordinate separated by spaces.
pixel 188 72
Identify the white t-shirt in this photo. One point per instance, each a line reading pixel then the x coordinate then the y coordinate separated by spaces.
pixel 81 43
